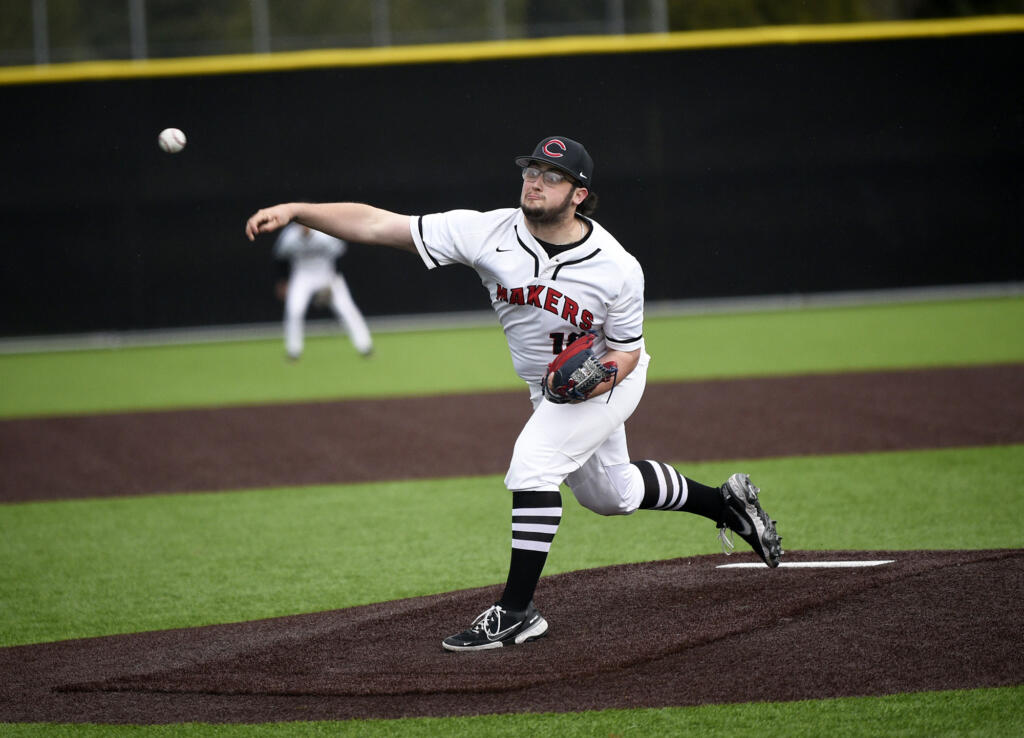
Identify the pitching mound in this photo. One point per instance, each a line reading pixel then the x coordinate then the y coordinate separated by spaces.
pixel 679 632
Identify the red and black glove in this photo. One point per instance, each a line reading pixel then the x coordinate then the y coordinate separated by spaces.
pixel 576 372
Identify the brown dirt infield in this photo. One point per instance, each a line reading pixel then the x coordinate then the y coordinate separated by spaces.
pixel 370 440
pixel 665 633
pixel 678 632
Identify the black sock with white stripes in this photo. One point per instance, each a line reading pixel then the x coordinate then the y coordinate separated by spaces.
pixel 535 519
pixel 667 489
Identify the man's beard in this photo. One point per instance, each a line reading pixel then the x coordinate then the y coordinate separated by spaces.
pixel 540 216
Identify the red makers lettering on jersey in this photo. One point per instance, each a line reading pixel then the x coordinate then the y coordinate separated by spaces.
pixel 550 299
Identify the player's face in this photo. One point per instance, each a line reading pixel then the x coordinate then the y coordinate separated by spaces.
pixel 543 202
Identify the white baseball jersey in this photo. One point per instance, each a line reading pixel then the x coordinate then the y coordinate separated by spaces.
pixel 309 250
pixel 542 302
pixel 312 254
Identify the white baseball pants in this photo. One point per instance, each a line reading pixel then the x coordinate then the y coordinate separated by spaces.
pixel 301 288
pixel 583 445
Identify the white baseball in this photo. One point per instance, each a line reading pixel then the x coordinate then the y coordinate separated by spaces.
pixel 171 140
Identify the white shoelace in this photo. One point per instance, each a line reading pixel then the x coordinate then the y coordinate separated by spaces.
pixel 727 545
pixel 485 617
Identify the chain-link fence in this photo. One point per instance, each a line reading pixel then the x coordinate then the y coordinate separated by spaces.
pixel 55 31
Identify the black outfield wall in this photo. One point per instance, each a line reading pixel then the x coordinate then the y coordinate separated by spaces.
pixel 734 171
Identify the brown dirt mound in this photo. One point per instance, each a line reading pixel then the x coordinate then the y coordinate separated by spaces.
pixel 679 632
pixel 371 440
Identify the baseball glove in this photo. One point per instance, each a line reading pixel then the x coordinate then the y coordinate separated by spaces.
pixel 576 372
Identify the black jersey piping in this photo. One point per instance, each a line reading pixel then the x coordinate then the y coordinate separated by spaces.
pixel 536 261
pixel 419 223
pixel 628 340
pixel 591 255
pixel 554 249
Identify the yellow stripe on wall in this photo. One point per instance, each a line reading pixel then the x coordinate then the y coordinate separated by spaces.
pixel 487 50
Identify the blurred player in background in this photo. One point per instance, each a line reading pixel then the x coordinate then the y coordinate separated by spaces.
pixel 311 256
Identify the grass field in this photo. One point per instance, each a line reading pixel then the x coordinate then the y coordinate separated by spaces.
pixel 979 713
pixel 476 359
pixel 91 567
pixel 97 567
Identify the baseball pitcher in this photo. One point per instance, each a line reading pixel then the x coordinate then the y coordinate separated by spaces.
pixel 571 301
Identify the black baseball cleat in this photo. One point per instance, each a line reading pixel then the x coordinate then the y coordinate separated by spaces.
pixel 744 515
pixel 496 627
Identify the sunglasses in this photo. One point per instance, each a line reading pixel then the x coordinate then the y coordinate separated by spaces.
pixel 551 177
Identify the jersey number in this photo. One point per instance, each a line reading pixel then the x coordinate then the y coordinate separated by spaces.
pixel 560 340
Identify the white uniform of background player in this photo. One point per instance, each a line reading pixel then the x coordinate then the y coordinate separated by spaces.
pixel 546 294
pixel 312 255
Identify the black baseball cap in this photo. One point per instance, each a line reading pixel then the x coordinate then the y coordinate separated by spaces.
pixel 565 155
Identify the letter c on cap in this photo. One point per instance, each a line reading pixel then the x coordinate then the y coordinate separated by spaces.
pixel 554 154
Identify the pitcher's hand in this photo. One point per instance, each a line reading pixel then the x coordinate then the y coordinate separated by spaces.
pixel 267 220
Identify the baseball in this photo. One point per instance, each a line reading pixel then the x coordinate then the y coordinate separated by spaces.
pixel 171 140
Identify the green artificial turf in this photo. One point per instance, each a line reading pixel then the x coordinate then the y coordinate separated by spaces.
pixel 95 567
pixel 476 359
pixel 911 335
pixel 979 713
pixel 106 566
